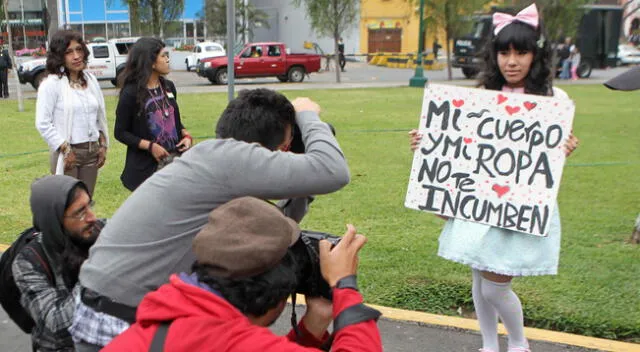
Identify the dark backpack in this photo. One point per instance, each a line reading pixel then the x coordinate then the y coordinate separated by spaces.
pixel 9 292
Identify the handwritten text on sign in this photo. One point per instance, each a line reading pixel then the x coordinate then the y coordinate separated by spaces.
pixel 490 157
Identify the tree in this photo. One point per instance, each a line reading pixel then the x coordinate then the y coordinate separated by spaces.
pixel 215 18
pixel 51 18
pixel 157 12
pixel 134 16
pixel 330 18
pixel 453 17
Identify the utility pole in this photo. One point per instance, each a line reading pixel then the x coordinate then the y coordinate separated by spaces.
pixel 231 39
pixel 13 58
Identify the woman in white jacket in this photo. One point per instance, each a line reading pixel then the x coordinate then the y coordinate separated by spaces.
pixel 70 111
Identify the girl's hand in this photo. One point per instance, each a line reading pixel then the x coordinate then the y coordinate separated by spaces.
pixel 571 144
pixel 184 144
pixel 414 139
pixel 158 152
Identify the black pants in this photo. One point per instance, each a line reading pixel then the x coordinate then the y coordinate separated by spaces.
pixel 342 61
pixel 4 83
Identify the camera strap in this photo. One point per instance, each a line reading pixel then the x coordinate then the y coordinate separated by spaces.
pixel 353 315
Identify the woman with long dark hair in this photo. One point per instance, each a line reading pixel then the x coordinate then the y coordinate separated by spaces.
pixel 70 111
pixel 517 60
pixel 147 116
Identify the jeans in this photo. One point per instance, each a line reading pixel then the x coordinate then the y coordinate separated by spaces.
pixel 566 69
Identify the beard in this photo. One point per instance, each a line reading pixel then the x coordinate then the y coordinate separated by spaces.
pixel 76 251
pixel 83 242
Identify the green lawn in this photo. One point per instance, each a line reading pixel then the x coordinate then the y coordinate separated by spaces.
pixel 596 292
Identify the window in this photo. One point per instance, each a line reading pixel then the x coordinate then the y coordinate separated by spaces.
pixel 101 52
pixel 274 50
pixel 213 48
pixel 123 48
pixel 254 51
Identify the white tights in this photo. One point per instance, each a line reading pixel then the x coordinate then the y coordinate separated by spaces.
pixel 492 299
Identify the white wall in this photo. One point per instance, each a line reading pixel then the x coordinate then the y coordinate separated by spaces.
pixel 290 26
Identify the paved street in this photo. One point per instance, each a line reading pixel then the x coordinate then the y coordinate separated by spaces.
pixel 358 75
pixel 397 336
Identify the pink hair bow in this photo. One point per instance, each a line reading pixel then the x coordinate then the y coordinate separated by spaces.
pixel 528 15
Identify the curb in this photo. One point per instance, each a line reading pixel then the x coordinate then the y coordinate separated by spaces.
pixel 472 325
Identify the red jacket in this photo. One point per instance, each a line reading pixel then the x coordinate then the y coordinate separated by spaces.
pixel 203 321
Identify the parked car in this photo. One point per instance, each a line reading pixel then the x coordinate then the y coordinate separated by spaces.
pixel 202 51
pixel 628 54
pixel 269 59
pixel 106 61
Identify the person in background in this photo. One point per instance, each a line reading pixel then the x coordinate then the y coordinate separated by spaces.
pixel 70 111
pixel 564 54
pixel 147 116
pixel 342 62
pixel 517 60
pixel 436 48
pixel 5 66
pixel 575 62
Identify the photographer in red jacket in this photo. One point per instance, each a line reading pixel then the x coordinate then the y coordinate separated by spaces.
pixel 244 272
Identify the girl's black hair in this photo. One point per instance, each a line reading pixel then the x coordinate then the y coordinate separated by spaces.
pixel 522 37
pixel 58 45
pixel 142 56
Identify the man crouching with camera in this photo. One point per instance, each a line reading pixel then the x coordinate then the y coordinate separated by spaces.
pixel 244 271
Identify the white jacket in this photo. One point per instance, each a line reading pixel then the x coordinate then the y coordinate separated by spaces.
pixel 55 128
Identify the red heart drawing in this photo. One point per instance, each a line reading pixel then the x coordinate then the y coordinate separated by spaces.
pixel 458 102
pixel 501 99
pixel 512 109
pixel 468 140
pixel 500 190
pixel 530 105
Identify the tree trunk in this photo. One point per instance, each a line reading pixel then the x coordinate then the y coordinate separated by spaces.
pixel 134 18
pixel 52 16
pixel 447 14
pixel 155 17
pixel 447 46
pixel 160 20
pixel 635 237
pixel 336 35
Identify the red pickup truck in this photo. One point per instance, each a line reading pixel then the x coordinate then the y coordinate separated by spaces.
pixel 261 60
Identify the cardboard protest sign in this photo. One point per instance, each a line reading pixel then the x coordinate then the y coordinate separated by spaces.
pixel 490 157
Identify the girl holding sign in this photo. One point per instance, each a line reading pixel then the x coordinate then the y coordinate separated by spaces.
pixel 517 60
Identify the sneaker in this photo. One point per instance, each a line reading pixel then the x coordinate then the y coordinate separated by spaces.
pixel 485 350
pixel 519 349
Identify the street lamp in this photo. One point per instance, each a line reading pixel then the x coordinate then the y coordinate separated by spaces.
pixel 418 79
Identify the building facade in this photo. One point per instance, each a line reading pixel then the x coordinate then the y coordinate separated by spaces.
pixel 27 23
pixel 392 26
pixel 290 25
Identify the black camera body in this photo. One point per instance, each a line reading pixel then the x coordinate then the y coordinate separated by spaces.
pixel 297 146
pixel 306 252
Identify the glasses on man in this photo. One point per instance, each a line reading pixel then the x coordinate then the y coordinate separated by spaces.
pixel 81 213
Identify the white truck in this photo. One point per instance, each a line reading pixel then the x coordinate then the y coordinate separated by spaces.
pixel 106 62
